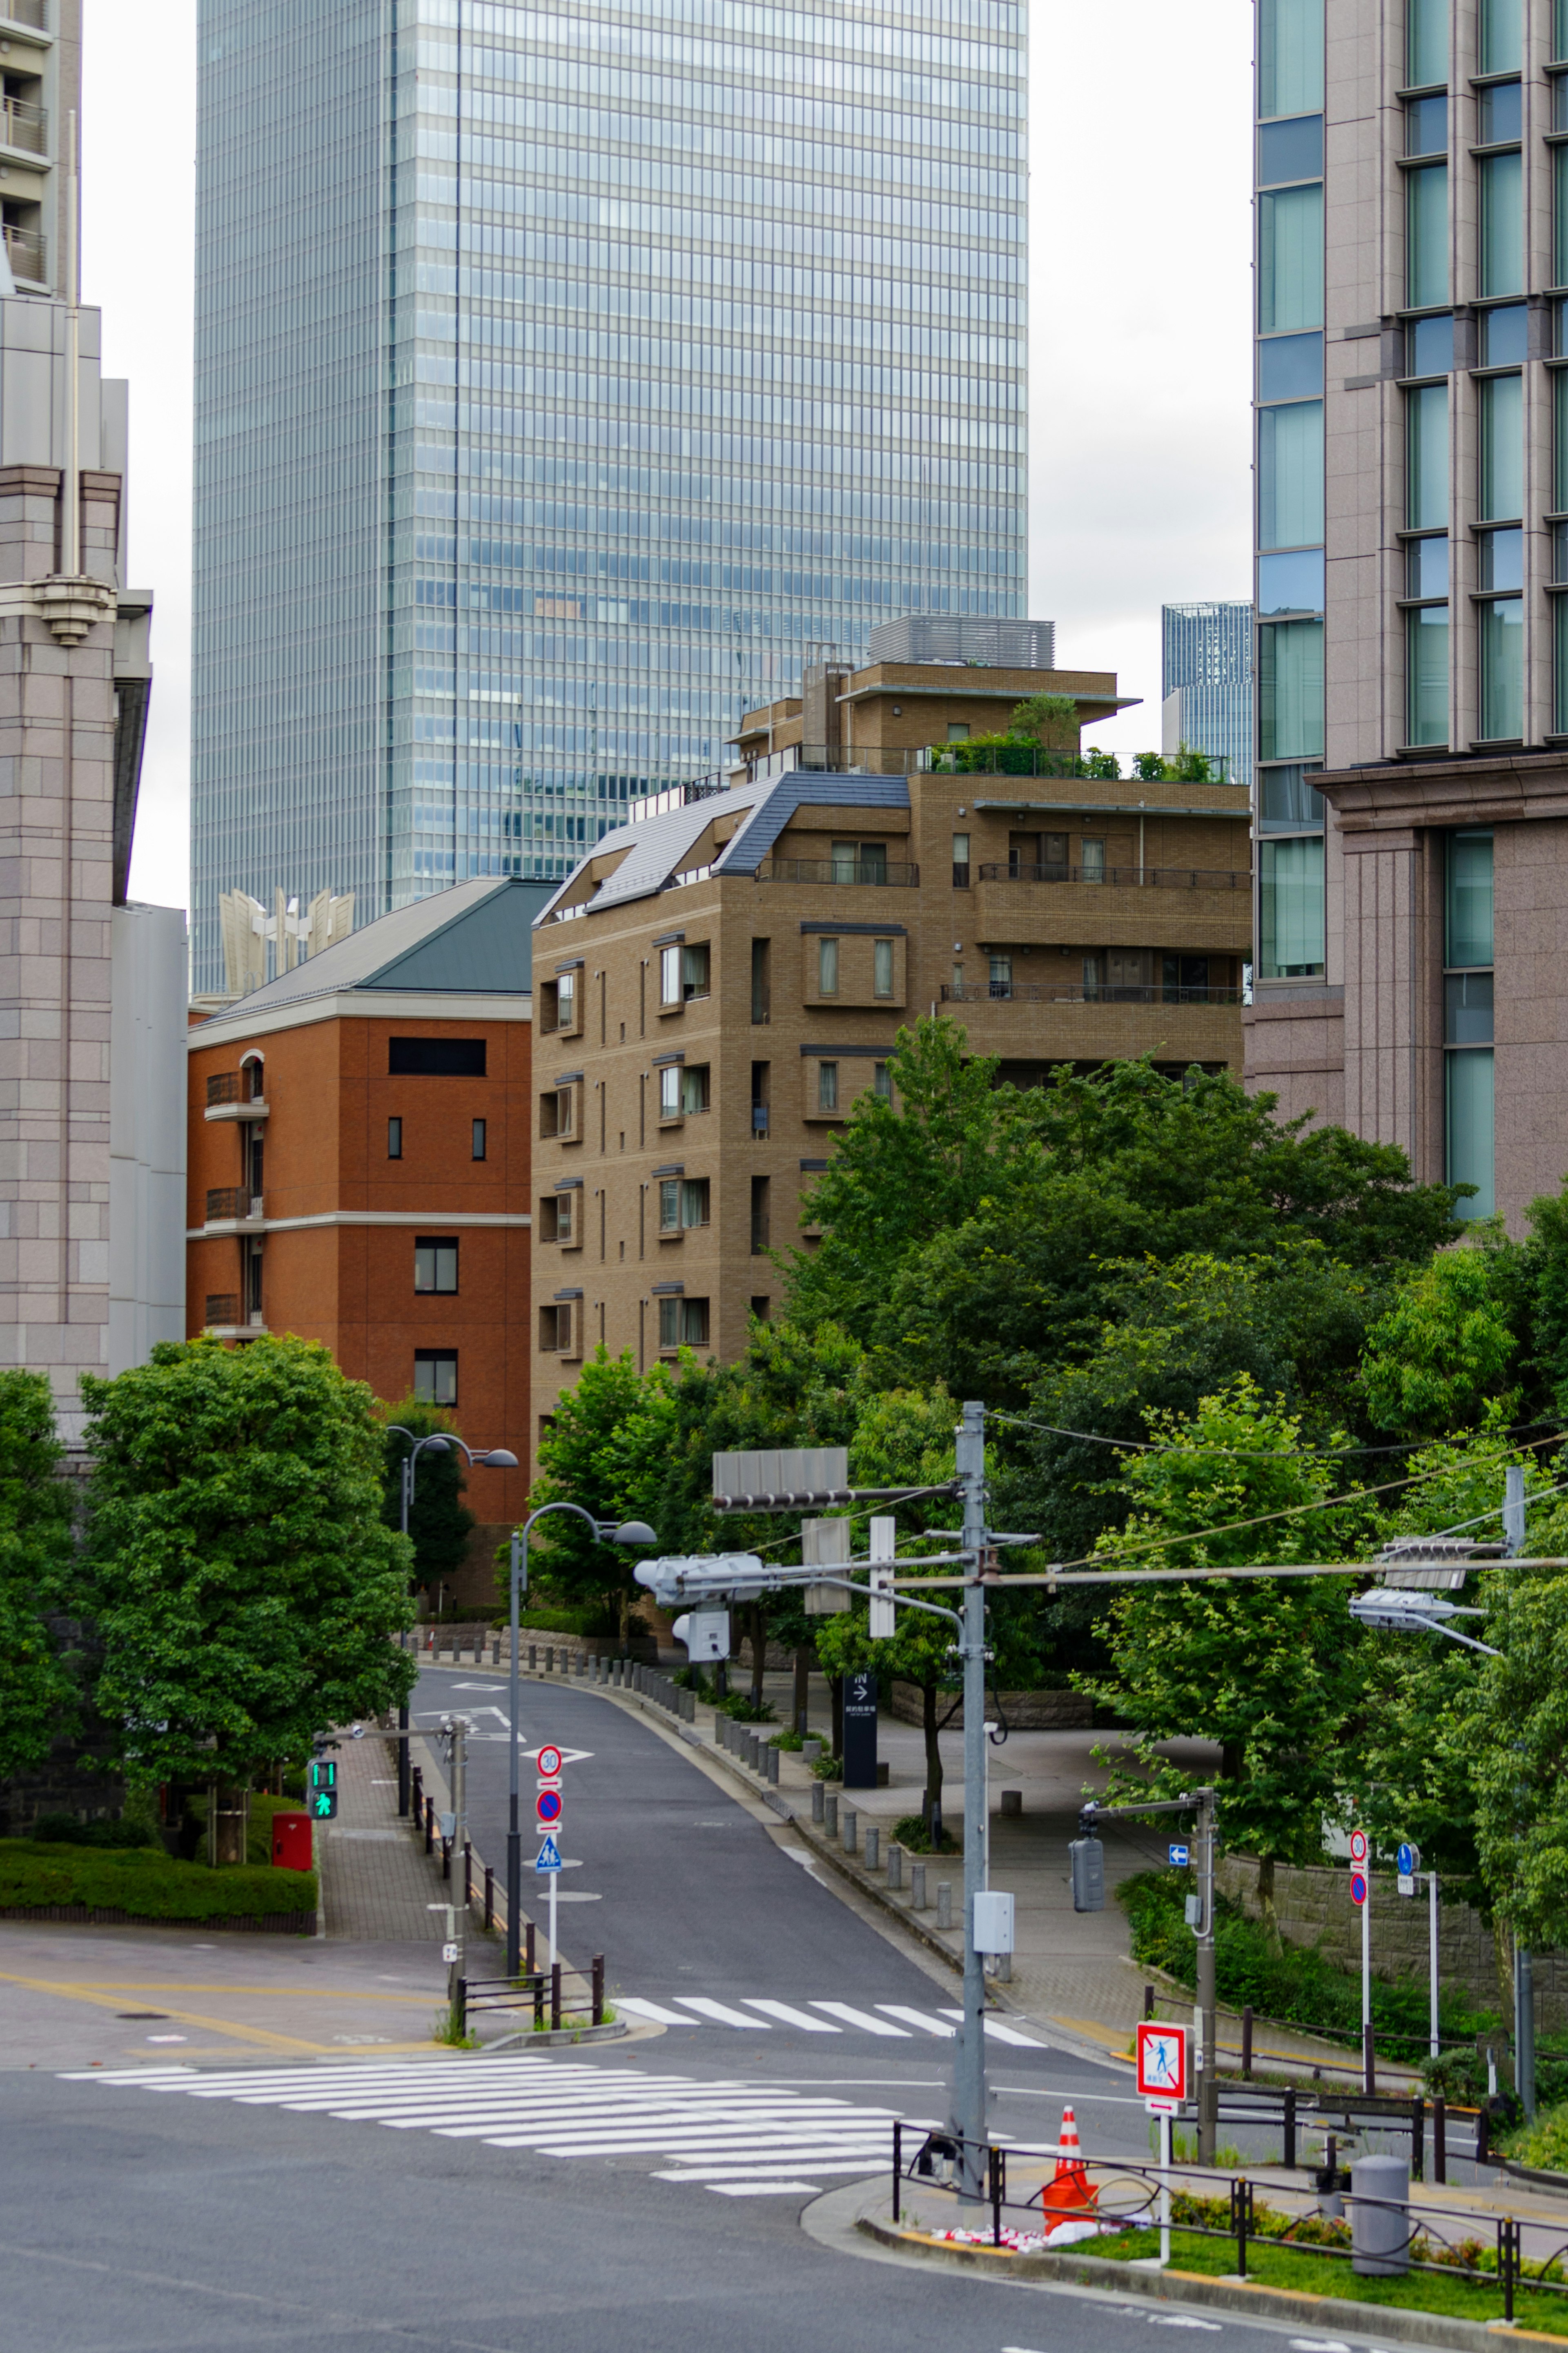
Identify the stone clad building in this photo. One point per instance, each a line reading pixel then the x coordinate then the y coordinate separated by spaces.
pixel 722 979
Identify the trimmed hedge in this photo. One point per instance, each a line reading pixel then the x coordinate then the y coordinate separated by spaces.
pixel 146 1884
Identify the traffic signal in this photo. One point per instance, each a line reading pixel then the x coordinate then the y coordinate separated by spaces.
pixel 323 1805
pixel 1087 1859
pixel 323 1788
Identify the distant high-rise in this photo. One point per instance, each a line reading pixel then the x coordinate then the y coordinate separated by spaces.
pixel 1207 683
pixel 559 381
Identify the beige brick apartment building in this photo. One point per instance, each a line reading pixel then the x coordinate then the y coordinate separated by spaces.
pixel 722 980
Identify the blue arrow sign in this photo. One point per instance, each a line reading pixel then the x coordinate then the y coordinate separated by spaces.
pixel 1180 1856
pixel 548 1857
pixel 1408 1860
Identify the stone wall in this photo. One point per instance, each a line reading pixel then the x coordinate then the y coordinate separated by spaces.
pixel 1026 1711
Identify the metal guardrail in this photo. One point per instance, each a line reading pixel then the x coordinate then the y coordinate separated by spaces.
pixel 894 876
pixel 21 125
pixel 222 1307
pixel 1429 2244
pixel 1124 878
pixel 25 252
pixel 1031 992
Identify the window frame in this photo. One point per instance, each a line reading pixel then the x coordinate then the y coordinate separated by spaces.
pixel 435 1358
pixel 436 1247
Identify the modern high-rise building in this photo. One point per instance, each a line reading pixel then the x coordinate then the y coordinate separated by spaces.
pixel 1207 683
pixel 561 381
pixel 1411 560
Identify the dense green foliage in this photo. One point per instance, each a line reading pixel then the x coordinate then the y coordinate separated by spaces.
pixel 37 1694
pixel 243 1585
pixel 439 1522
pixel 147 1884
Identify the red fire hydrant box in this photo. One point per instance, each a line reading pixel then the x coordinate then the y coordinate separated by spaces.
pixel 291 1842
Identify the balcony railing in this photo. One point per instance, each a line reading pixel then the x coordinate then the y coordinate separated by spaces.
pixel 222 1307
pixel 23 124
pixel 226 1201
pixel 1034 992
pixel 25 252
pixel 1124 878
pixel 972 759
pixel 841 869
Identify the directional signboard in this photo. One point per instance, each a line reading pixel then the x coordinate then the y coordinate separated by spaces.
pixel 548 1857
pixel 1180 1856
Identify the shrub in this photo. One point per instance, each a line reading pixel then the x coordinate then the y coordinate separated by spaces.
pixel 913 1834
pixel 64 1829
pixel 147 1884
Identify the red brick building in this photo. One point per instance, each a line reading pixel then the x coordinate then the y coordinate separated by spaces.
pixel 360 1162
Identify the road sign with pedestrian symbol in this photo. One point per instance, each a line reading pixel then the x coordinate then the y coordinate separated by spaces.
pixel 1161 2066
pixel 323 1789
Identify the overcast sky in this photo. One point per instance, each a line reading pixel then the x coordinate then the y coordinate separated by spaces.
pixel 1140 376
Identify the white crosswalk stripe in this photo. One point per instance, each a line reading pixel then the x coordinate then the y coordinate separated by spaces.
pixel 844 2016
pixel 736 2140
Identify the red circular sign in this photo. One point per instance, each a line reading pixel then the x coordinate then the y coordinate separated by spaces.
pixel 1358 1887
pixel 1358 1846
pixel 547 1805
pixel 548 1763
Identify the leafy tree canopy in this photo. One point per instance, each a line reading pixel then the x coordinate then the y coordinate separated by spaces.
pixel 37 1697
pixel 243 1581
pixel 439 1522
pixel 1448 1340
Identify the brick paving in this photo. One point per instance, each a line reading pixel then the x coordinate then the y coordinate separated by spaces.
pixel 377 1879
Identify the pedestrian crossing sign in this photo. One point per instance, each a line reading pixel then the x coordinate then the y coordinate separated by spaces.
pixel 323 1805
pixel 548 1857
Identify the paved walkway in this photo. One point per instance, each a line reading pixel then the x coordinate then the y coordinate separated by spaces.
pixel 377 1881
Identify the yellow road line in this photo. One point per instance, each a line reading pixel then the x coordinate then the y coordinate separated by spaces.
pixel 225 2026
pixel 282 1993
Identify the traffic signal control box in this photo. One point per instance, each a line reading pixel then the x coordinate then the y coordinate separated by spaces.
pixel 291 1842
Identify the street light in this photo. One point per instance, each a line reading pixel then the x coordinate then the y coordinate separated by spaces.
pixel 439 1442
pixel 624 1531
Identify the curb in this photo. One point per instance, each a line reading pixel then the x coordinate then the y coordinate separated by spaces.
pixel 1192 2288
pixel 1532 2173
pixel 552 2036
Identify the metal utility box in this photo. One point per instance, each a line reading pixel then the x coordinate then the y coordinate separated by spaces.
pixel 993 1921
pixel 291 1842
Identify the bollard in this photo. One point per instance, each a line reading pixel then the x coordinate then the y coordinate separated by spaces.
pixel 1439 2137
pixel 873 1847
pixel 773 1765
pixel 597 1966
pixel 446 1858
pixel 1368 2062
pixel 916 1886
pixel 689 1709
pixel 528 1969
pixel 719 1724
pixel 533 1658
pixel 1011 1801
pixel 1418 2138
pixel 489 1897
pixel 429 1825
pixel 810 1750
pixel 417 1792
pixel 1380 2232
pixel 467 1874
pixel 554 1996
pixel 495 1652
pixel 755 1751
pixel 895 1863
pixel 819 1802
pixel 550 1658
pixel 1148 2002
pixel 1289 2120
pixel 851 1825
pixel 944 1903
pixel 830 1811
pixel 1247 2042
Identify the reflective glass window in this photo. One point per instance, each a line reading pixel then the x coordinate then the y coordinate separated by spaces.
pixel 1501 36
pixel 1291 259
pixel 1560 208
pixel 1427 675
pixel 1501 554
pixel 1427 126
pixel 1292 150
pixel 1468 1008
pixel 1291 908
pixel 1502 668
pixel 1505 335
pixel 1291 474
pixel 1560 664
pixel 1292 583
pixel 1429 346
pixel 1427 567
pixel 1502 448
pixel 1426 236
pixel 1467 904
pixel 1290 56
pixel 1291 691
pixel 1502 224
pixel 1288 802
pixel 1290 367
pixel 1471 1129
pixel 1499 112
pixel 1426 43
pixel 1427 458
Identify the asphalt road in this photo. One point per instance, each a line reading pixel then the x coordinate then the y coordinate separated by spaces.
pixel 134 2220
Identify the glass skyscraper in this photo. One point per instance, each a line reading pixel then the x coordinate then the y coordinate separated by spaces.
pixel 1207 681
pixel 562 379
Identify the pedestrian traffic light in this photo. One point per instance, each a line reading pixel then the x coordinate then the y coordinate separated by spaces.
pixel 323 1773
pixel 323 1788
pixel 323 1805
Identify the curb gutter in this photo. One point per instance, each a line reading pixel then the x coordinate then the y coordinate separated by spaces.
pixel 1194 2288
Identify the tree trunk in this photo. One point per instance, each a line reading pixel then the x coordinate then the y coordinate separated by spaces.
pixel 934 1748
pixel 626 1621
pixel 758 1653
pixel 800 1700
pixel 836 1699
pixel 1266 1900
pixel 228 1815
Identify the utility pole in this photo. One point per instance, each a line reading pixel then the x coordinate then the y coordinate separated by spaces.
pixel 457 1726
pixel 969 2058
pixel 1208 2075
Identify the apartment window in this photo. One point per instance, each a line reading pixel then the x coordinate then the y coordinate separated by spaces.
pixel 1501 44
pixel 881 967
pixel 558 1113
pixel 558 1004
pixel 1291 691
pixel 1292 150
pixel 1292 583
pixel 760 1221
pixel 1560 189
pixel 1289 57
pixel 761 991
pixel 762 1074
pixel 1502 221
pixel 394 1139
pixel 1290 367
pixel 1467 1048
pixel 1091 868
pixel 1427 126
pixel 1291 475
pixel 436 1263
pixel 556 1329
pixel 1501 447
pixel 1291 259
pixel 683 973
pixel 682 1088
pixel 1426 236
pixel 961 862
pixel 1290 908
pixel 958 730
pixel 1503 669
pixel 1001 975
pixel 828 1086
pixel 1426 43
pixel 682 1203
pixel 682 1323
pixel 827 968
pixel 1505 335
pixel 557 1219
pixel 253 1080
pixel 1426 672
pixel 436 1057
pixel 1427 456
pixel 860 862
pixel 477 1141
pixel 882 1081
pixel 253 1306
pixel 436 1376
pixel 1289 801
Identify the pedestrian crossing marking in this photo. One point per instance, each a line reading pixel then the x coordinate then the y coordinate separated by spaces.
pixel 845 2015
pixel 733 2138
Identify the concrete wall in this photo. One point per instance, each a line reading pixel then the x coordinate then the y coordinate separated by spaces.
pixel 146 1248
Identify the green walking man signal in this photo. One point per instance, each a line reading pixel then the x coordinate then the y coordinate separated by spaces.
pixel 324 1790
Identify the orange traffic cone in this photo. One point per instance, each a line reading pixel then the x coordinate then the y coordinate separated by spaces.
pixel 1069 2193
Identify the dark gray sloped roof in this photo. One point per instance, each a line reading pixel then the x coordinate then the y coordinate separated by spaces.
pixel 476 939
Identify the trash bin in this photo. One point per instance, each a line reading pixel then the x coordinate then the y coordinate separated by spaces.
pixel 1380 2234
pixel 291 1842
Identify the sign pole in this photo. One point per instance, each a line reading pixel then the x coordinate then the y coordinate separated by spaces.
pixel 1366 1955
pixel 969 2053
pixel 1432 1955
pixel 1166 2189
pixel 553 1877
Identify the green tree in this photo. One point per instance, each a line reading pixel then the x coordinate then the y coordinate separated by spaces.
pixel 37 1696
pixel 604 1448
pixel 244 1585
pixel 1449 1339
pixel 439 1522
pixel 1517 1729
pixel 1052 718
pixel 1268 1670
